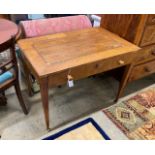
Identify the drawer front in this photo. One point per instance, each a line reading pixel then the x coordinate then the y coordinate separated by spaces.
pixel 151 19
pixel 148 37
pixel 142 70
pixel 145 54
pixel 91 69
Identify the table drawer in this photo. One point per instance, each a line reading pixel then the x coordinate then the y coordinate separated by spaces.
pixel 142 70
pixel 148 37
pixel 91 69
pixel 145 54
pixel 151 19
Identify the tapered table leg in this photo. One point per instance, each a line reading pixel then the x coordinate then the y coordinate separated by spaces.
pixel 44 96
pixel 28 81
pixel 124 81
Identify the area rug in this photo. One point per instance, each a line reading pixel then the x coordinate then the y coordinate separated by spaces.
pixel 87 129
pixel 135 116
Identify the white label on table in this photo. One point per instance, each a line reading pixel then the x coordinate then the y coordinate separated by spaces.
pixel 70 83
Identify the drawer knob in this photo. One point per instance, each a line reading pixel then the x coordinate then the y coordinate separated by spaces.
pixel 147 69
pixel 121 62
pixel 69 77
pixel 153 52
pixel 97 65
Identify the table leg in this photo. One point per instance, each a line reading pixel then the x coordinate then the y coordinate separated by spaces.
pixel 27 75
pixel 44 96
pixel 124 81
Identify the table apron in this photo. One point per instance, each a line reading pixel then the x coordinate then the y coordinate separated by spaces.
pixel 91 69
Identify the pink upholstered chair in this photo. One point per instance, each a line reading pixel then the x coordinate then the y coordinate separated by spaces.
pixel 34 28
pixel 41 27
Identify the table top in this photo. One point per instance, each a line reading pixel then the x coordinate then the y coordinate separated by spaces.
pixel 7 29
pixel 57 52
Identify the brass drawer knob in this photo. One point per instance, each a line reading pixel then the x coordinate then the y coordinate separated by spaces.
pixel 153 52
pixel 121 62
pixel 97 65
pixel 69 77
pixel 147 69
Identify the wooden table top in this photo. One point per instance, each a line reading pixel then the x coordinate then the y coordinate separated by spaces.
pixel 7 30
pixel 57 52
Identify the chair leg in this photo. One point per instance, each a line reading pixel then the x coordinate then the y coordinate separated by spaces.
pixel 3 100
pixel 28 81
pixel 20 98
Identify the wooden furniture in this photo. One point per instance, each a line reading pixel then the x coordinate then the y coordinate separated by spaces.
pixel 35 28
pixel 140 30
pixel 78 54
pixel 8 29
pixel 11 64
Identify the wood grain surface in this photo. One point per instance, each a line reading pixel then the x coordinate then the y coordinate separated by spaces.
pixel 128 26
pixel 54 53
pixel 82 53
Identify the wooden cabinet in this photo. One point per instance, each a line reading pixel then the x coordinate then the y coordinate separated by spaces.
pixel 151 19
pixel 140 30
pixel 130 27
pixel 148 37
pixel 142 70
pixel 146 54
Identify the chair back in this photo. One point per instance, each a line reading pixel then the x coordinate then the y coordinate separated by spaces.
pixel 10 78
pixel 8 62
pixel 34 28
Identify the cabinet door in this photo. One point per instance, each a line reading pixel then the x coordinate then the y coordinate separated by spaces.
pixel 128 26
pixel 151 19
pixel 148 37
